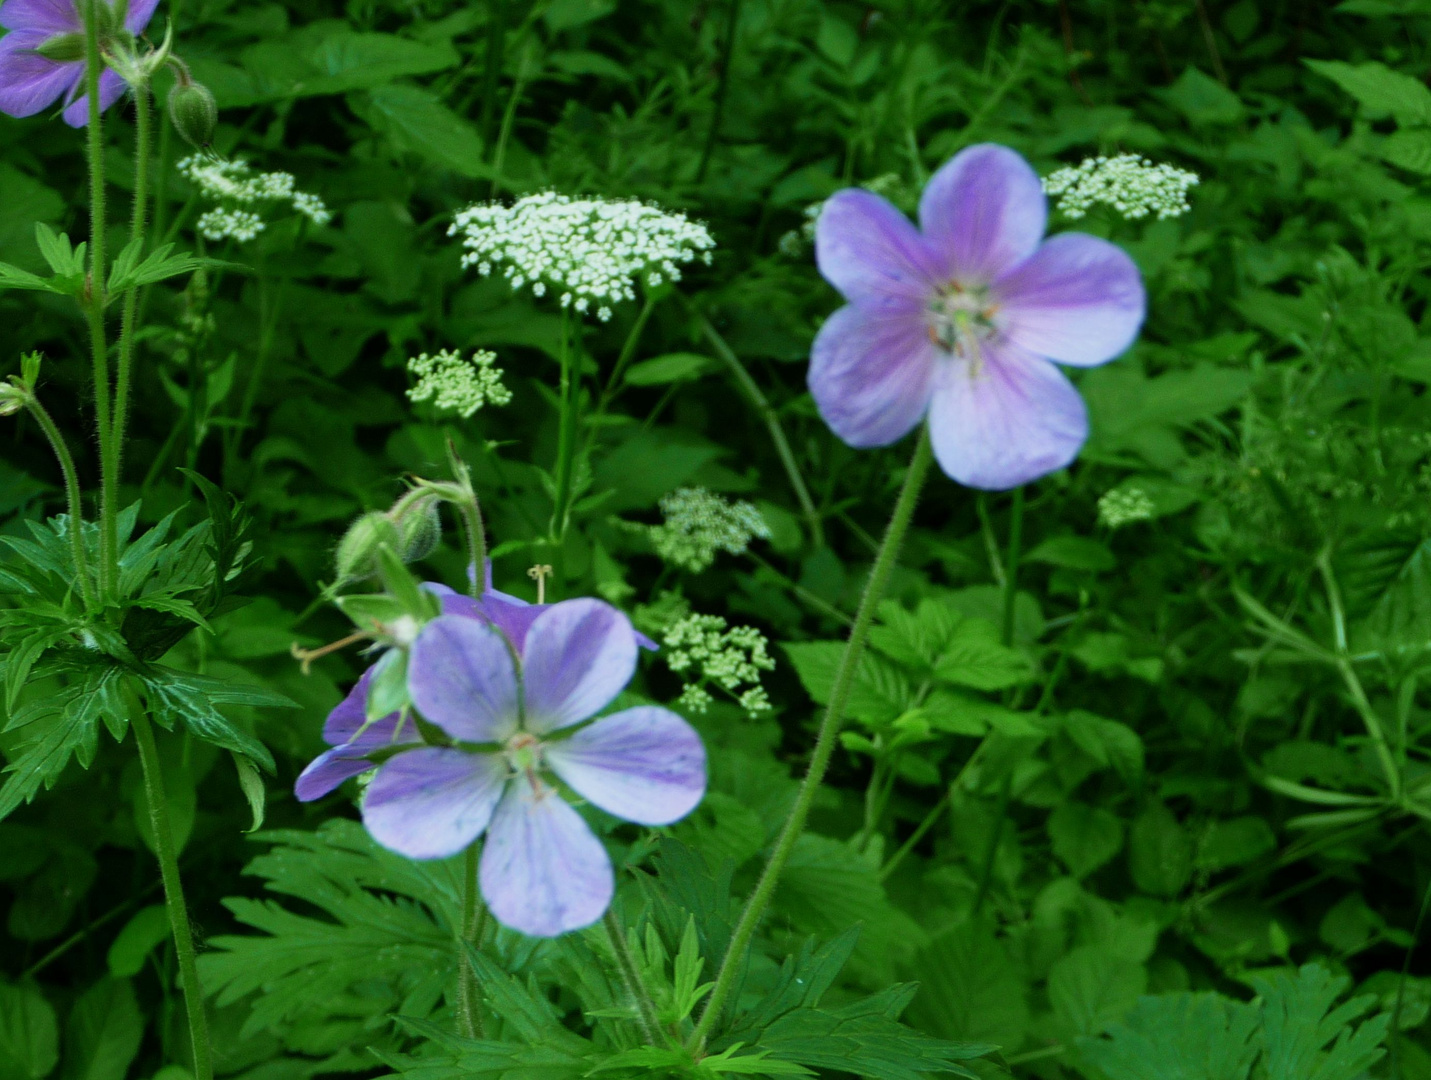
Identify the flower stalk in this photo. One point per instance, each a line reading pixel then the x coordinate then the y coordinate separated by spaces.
pixel 824 742
pixel 646 1018
pixel 143 130
pixel 72 494
pixel 474 919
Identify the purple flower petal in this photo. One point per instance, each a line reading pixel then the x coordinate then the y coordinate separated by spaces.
pixel 870 252
pixel 579 655
pixel 984 212
pixel 140 12
pixel 111 89
pixel 46 17
pixel 1006 420
pixel 328 770
pixel 646 765
pixel 871 373
pixel 542 870
pixel 1077 300
pixel 462 678
pixel 432 802
pixel 350 714
pixel 29 83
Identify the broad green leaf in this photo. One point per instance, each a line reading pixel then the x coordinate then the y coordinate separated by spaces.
pixel 1084 837
pixel 669 368
pixel 1159 852
pixel 971 987
pixel 420 123
pixel 1091 988
pixel 1380 90
pixel 103 1032
pixel 29 1034
pixel 147 928
pixel 1307 1036
pixel 1180 1036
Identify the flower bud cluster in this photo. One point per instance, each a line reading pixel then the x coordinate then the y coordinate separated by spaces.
pixel 705 649
pixel 700 523
pixel 590 252
pixel 1131 185
pixel 238 188
pixel 1124 506
pixel 456 386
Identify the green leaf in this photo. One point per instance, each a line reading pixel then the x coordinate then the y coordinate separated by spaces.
pixel 146 929
pixel 880 693
pixel 251 784
pixel 1203 100
pixel 669 368
pixel 103 1033
pixel 1180 1036
pixel 1409 149
pixel 129 272
pixel 970 987
pixel 1234 842
pixel 191 698
pixel 1379 90
pixel 974 657
pixel 1074 553
pixel 1084 837
pixel 29 1034
pixel 1306 1036
pixel 1159 852
pixel 420 123
pixel 1091 988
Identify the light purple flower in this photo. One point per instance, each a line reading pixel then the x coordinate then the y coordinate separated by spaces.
pixel 31 82
pixel 960 320
pixel 513 716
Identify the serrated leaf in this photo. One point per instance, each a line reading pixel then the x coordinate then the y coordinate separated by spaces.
pixel 1180 1036
pixel 1306 1036
pixel 1379 90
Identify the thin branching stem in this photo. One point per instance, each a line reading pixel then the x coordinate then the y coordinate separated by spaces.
pixel 72 496
pixel 646 1017
pixel 143 139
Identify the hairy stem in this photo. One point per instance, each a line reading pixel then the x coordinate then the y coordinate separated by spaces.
pixel 1011 564
pixel 474 916
pixel 824 741
pixel 646 1017
pixel 139 222
pixel 173 892
pixel 72 495
pixel 566 429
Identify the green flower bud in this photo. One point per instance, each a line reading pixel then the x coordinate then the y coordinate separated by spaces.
pixel 356 557
pixel 62 48
pixel 419 530
pixel 194 112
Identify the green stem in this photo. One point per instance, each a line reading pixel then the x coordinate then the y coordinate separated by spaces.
pixel 772 422
pixel 566 431
pixel 469 991
pixel 824 742
pixel 173 892
pixel 94 301
pixel 646 1017
pixel 722 88
pixel 509 117
pixel 496 49
pixel 923 827
pixel 628 350
pixel 1011 563
pixel 72 496
pixel 139 222
pixel 269 307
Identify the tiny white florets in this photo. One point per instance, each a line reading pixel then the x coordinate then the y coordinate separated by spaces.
pixel 238 189
pixel 593 250
pixel 1123 506
pixel 700 523
pixel 457 386
pixel 1130 185
pixel 706 650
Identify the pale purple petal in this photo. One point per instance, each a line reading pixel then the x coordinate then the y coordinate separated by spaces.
pixel 984 212
pixel 30 83
pixel 432 802
pixel 47 17
pixel 645 765
pixel 111 89
pixel 462 677
pixel 350 714
pixel 1078 300
pixel 871 373
pixel 579 655
pixel 872 253
pixel 542 870
pixel 328 770
pixel 140 12
pixel 1008 420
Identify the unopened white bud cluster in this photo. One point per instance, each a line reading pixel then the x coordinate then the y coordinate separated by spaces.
pixel 706 650
pixel 1131 185
pixel 590 252
pixel 457 386
pixel 700 523
pixel 238 188
pixel 1124 506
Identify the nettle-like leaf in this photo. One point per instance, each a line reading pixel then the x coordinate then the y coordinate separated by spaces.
pixel 1179 1036
pixel 131 268
pixel 1307 1036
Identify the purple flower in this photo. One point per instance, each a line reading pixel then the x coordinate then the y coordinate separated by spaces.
pixel 31 80
pixel 960 321
pixel 542 870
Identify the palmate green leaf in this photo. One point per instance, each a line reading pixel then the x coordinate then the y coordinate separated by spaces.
pixel 66 262
pixel 1307 1036
pixel 1180 1036
pixel 190 698
pixel 130 271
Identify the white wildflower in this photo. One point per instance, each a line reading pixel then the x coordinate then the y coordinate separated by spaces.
pixel 707 651
pixel 700 523
pixel 1132 186
pixel 240 190
pixel 590 251
pixel 1125 505
pixel 455 385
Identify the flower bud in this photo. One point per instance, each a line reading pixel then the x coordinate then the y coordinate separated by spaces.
pixel 194 112
pixel 62 48
pixel 419 530
pixel 12 399
pixel 357 551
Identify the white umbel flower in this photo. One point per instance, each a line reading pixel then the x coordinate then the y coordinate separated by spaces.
pixel 589 252
pixel 456 386
pixel 240 191
pixel 1131 186
pixel 700 523
pixel 705 650
pixel 1125 505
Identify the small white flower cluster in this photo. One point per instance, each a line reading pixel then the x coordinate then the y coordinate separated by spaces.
pixel 705 649
pixel 700 523
pixel 1131 185
pixel 590 251
pixel 235 185
pixel 1123 506
pixel 455 385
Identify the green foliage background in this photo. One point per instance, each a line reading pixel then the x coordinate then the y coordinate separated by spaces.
pixel 1106 848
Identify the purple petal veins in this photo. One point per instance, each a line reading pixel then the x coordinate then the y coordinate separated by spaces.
pixel 462 677
pixel 432 802
pixel 959 322
pixel 352 739
pixel 578 656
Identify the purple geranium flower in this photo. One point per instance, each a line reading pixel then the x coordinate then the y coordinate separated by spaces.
pixel 513 715
pixel 31 81
pixel 960 321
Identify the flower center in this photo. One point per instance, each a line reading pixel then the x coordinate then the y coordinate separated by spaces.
pixel 524 755
pixel 961 319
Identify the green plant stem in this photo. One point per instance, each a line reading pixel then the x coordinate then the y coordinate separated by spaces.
pixel 1011 564
pixel 173 892
pixel 646 1017
pixel 94 304
pixel 469 991
pixel 628 350
pixel 923 827
pixel 767 413
pixel 268 312
pixel 143 138
pixel 496 49
pixel 72 496
pixel 824 741
pixel 566 431
pixel 722 89
pixel 509 117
